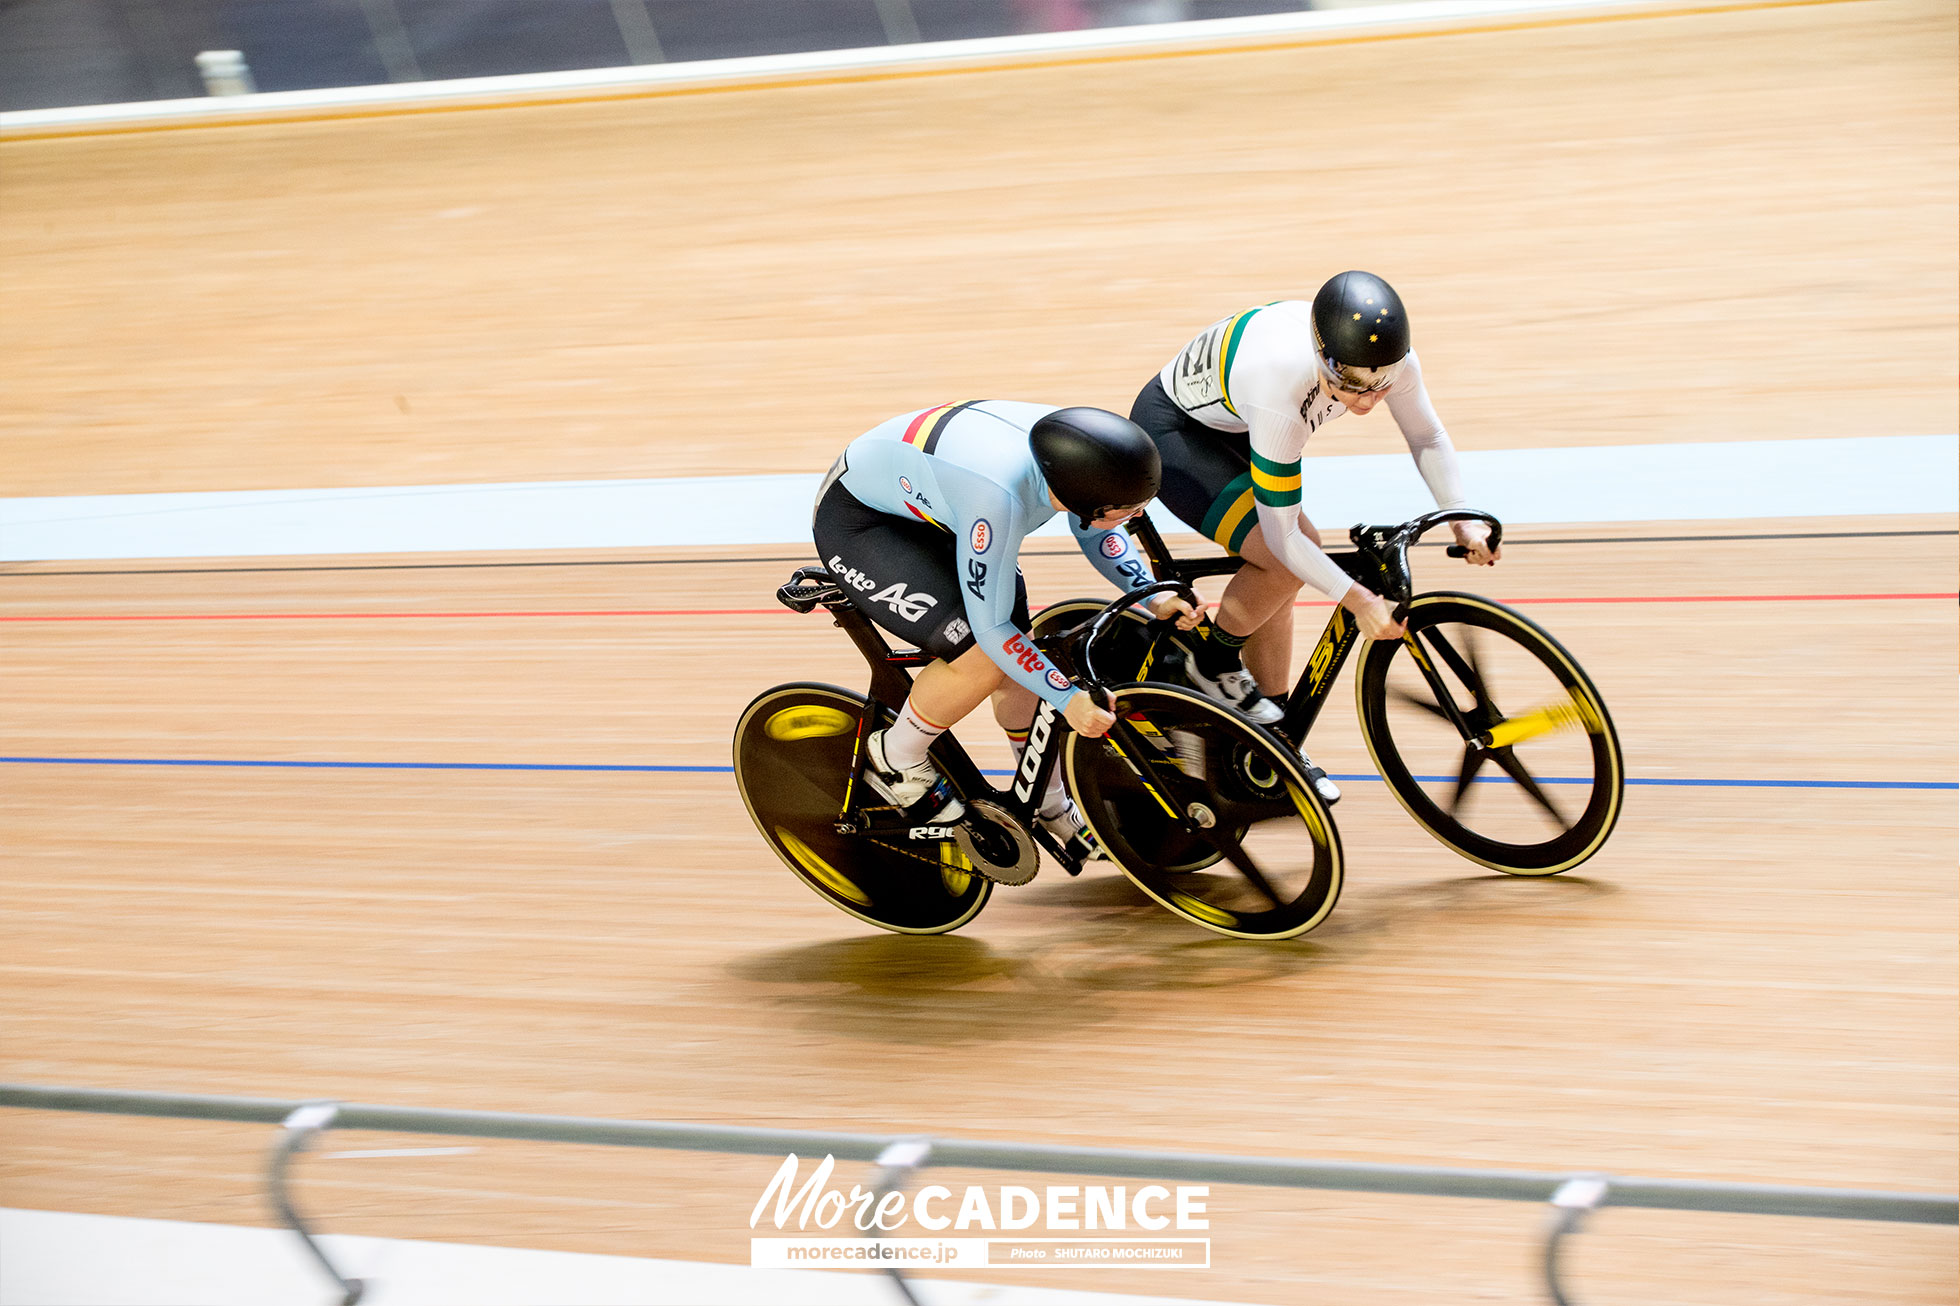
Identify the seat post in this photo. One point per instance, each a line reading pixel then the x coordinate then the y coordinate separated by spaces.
pixel 891 684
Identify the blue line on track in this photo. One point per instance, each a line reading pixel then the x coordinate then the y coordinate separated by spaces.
pixel 1794 784
pixel 591 766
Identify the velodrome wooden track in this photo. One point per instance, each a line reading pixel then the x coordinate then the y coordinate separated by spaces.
pixel 1689 228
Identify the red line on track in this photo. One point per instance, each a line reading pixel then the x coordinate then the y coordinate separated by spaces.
pixel 774 612
pixel 386 616
pixel 1735 598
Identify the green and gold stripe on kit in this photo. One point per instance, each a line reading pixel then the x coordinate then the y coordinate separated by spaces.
pixel 1232 517
pixel 1233 330
pixel 1276 484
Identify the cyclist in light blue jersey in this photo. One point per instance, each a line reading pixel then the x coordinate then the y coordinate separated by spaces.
pixel 921 522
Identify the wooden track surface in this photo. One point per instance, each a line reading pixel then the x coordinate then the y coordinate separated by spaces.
pixel 1752 984
pixel 1689 228
pixel 1749 984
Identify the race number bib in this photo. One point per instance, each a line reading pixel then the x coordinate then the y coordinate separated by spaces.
pixel 1198 381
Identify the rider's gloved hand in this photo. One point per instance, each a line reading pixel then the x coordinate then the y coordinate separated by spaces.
pixel 1372 613
pixel 1167 606
pixel 1474 536
pixel 1087 719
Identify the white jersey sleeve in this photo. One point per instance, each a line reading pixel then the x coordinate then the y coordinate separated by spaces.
pixel 1276 397
pixel 1429 444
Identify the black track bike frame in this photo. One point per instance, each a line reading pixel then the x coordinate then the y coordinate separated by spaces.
pixel 1379 560
pixel 891 684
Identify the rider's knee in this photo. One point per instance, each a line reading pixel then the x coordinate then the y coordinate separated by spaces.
pixel 978 670
pixel 993 677
pixel 1270 575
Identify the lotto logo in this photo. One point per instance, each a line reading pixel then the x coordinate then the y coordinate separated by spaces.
pixel 1112 545
pixel 851 576
pixel 983 536
pixel 1057 679
pixel 1025 654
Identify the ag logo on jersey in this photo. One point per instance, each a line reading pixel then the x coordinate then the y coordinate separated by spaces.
pixel 1057 679
pixel 1112 545
pixel 982 537
pixel 912 607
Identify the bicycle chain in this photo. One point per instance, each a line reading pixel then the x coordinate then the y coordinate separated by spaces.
pixel 913 852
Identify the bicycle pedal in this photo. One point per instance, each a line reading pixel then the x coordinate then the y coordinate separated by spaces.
pixel 876 820
pixel 1081 850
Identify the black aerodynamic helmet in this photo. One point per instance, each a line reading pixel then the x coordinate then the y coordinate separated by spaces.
pixel 1094 460
pixel 1360 332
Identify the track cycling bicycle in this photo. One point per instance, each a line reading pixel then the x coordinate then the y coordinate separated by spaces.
pixel 1211 816
pixel 1472 687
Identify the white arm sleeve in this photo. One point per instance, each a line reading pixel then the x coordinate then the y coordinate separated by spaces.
pixel 1281 529
pixel 1429 444
pixel 1277 439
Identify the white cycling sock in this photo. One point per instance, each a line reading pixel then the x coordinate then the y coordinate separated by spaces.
pixel 909 738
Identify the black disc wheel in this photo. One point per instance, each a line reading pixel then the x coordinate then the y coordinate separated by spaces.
pixel 1208 814
pixel 1494 739
pixel 793 762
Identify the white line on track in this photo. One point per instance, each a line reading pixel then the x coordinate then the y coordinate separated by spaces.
pixel 1854 476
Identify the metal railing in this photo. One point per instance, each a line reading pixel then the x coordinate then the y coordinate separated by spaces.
pixel 1572 1195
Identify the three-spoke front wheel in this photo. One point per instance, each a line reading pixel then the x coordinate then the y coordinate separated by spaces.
pixel 1208 814
pixel 794 748
pixel 1492 736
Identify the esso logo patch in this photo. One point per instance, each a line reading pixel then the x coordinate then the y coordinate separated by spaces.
pixel 982 537
pixel 1112 545
pixel 1057 679
pixel 905 485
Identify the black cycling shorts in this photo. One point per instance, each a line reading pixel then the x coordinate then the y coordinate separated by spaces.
pixel 904 575
pixel 1207 472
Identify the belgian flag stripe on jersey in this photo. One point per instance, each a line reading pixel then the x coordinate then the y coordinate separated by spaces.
pixel 926 428
pixel 1276 484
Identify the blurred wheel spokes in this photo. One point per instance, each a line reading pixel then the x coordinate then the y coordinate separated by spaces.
pixel 1507 759
pixel 1531 794
pixel 1208 814
pixel 1496 791
pixel 1473 762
